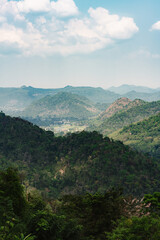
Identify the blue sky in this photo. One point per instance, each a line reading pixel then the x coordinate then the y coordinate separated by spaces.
pixel 96 43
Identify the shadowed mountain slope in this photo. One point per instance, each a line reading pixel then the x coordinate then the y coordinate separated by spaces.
pixel 75 163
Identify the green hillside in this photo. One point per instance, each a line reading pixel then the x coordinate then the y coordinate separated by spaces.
pixel 120 105
pixel 75 163
pixel 124 118
pixel 144 135
pixel 62 105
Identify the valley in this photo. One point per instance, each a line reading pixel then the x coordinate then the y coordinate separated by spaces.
pixel 64 127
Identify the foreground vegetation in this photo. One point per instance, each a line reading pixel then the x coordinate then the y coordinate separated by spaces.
pixel 27 216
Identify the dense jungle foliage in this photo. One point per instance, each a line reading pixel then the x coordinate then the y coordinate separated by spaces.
pixel 143 136
pixel 25 215
pixel 77 163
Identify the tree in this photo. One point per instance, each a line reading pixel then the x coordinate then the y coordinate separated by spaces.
pixel 152 202
pixel 136 228
pixel 12 189
pixel 94 212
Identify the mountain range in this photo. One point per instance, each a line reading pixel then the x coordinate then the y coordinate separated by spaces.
pixel 125 88
pixel 16 99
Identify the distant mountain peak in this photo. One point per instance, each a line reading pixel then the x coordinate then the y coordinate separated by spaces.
pixel 120 104
pixel 68 86
pixel 125 88
pixel 24 86
pixel 117 106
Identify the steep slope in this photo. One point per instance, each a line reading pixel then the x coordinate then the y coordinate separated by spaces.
pixel 75 163
pixel 62 105
pixel 21 141
pixel 124 118
pixel 119 105
pixel 143 136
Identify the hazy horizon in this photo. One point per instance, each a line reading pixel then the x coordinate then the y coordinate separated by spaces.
pixel 98 43
pixel 108 88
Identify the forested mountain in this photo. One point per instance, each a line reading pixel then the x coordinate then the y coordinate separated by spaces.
pixel 119 105
pixel 62 105
pixel 75 163
pixel 16 99
pixel 144 135
pixel 124 118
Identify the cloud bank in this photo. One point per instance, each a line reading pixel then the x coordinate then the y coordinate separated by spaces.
pixel 44 27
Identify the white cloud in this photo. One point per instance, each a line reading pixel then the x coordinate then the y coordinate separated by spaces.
pixel 156 26
pixel 61 8
pixel 34 5
pixel 65 8
pixel 9 8
pixel 11 34
pixel 112 25
pixel 30 41
pixel 46 34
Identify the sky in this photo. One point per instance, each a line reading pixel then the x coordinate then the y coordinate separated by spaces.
pixel 98 43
